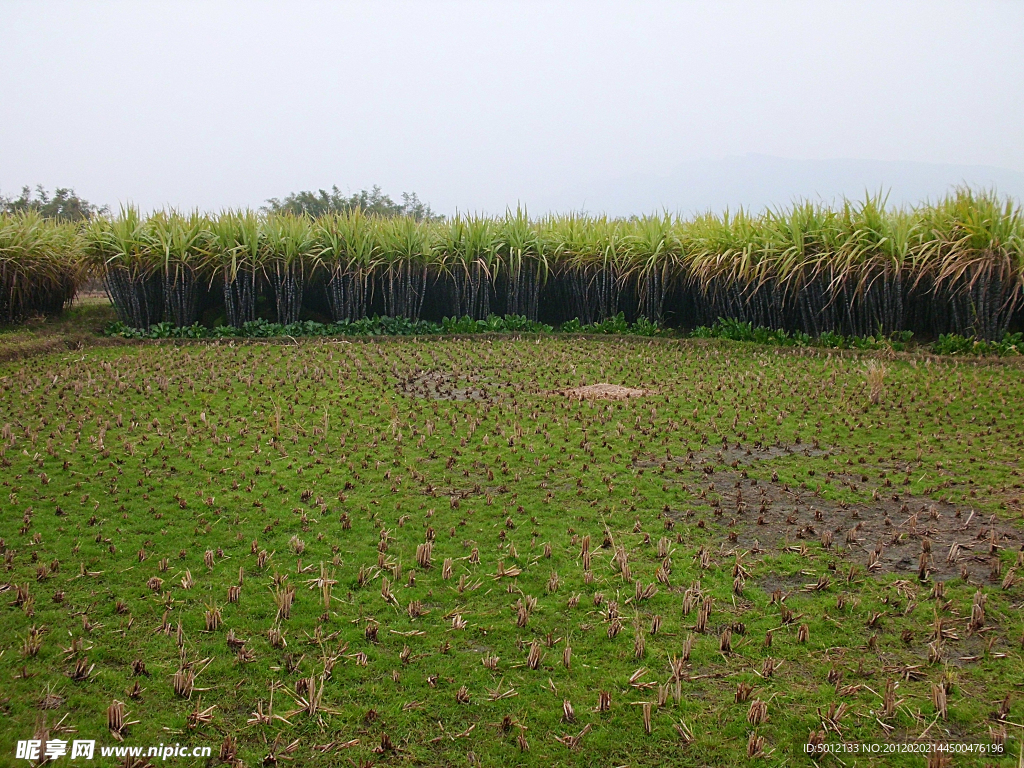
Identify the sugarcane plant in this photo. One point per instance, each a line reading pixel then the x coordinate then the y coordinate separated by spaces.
pixel 649 246
pixel 523 265
pixel 289 243
pixel 181 244
pixel 406 253
pixel 976 254
pixel 119 249
pixel 468 262
pixel 574 242
pixel 236 243
pixel 344 252
pixel 40 266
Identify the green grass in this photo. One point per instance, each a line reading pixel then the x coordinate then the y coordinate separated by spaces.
pixel 76 328
pixel 116 459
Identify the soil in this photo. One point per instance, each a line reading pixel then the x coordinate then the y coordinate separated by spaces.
pixel 441 385
pixel 885 535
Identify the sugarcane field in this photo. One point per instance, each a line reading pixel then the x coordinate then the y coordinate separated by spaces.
pixel 448 384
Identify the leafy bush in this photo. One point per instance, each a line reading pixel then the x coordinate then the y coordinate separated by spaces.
pixel 955 344
pixel 613 325
pixel 735 330
pixel 644 327
pixel 493 324
pixel 616 324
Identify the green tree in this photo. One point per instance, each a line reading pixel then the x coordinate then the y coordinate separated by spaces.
pixel 370 201
pixel 64 205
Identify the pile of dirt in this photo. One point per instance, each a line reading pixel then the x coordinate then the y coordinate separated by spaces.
pixel 603 392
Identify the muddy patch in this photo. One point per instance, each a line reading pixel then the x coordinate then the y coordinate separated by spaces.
pixel 710 460
pixel 775 582
pixel 892 533
pixel 441 385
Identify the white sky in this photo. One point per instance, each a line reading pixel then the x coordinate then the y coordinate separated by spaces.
pixel 478 105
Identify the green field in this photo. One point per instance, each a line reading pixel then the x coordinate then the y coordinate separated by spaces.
pixel 427 551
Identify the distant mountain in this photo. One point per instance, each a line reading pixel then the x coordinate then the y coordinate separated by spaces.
pixel 760 181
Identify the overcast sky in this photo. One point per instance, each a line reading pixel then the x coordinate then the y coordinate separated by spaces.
pixel 480 105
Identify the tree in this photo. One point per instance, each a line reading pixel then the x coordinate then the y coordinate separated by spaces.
pixel 371 201
pixel 65 205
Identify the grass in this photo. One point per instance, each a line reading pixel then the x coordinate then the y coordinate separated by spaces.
pixel 82 325
pixel 426 504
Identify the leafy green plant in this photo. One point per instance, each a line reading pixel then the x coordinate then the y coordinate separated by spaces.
pixel 645 327
pixel 955 344
pixel 615 324
pixel 833 340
